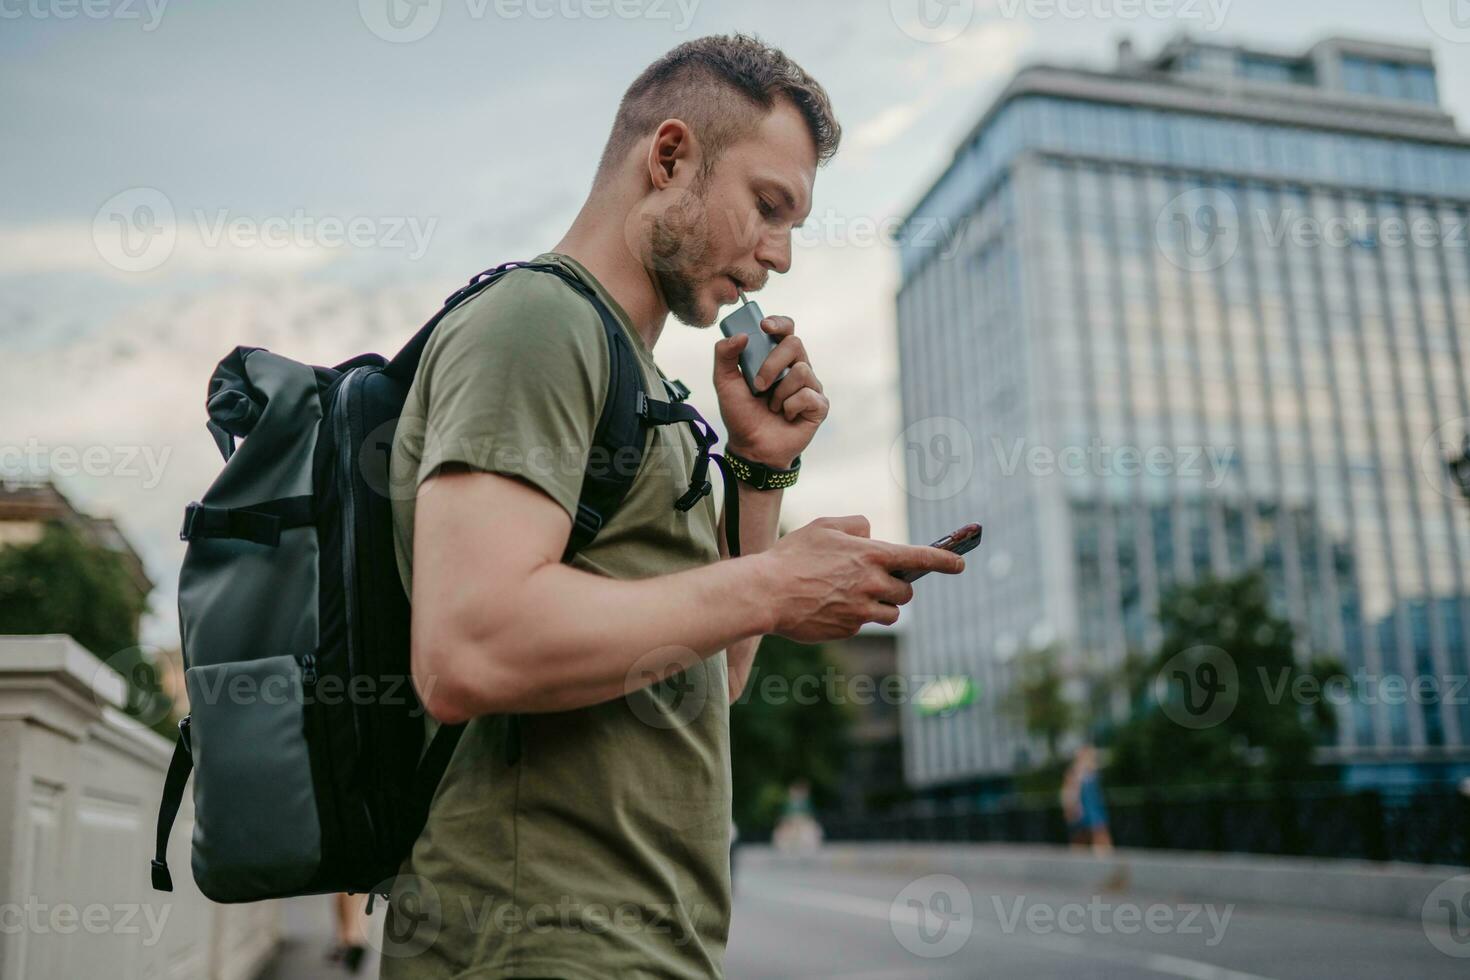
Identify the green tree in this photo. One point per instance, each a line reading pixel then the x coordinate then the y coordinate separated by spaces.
pixel 63 583
pixel 790 723
pixel 1215 705
pixel 1038 701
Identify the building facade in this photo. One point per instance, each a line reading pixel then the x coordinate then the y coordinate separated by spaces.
pixel 1206 312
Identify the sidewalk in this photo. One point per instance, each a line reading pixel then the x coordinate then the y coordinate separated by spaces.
pixel 306 938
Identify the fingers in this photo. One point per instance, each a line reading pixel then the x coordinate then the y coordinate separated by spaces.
pixel 788 352
pixel 808 404
pixel 922 558
pixel 727 355
pixel 881 612
pixel 894 591
pixel 801 376
pixel 778 326
pixel 855 524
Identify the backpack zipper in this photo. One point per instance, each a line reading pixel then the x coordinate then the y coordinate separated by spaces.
pixel 347 491
pixel 313 710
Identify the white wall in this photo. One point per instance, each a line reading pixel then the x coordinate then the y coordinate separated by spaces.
pixel 79 790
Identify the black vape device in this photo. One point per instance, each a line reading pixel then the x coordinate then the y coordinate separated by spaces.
pixel 747 320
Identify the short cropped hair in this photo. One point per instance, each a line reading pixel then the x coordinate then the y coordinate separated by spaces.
pixel 722 86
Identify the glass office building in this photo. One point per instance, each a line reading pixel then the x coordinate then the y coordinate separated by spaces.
pixel 1209 311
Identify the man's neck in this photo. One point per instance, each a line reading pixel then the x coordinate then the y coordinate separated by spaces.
pixel 596 240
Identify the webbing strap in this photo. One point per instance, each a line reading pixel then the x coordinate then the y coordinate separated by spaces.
pixel 668 413
pixel 179 768
pixel 426 777
pixel 261 523
pixel 732 505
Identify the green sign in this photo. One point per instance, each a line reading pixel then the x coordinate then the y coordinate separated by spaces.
pixel 943 695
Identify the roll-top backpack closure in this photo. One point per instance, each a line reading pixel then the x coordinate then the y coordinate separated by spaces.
pixel 233 403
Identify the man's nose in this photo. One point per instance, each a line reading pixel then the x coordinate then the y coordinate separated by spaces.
pixel 774 252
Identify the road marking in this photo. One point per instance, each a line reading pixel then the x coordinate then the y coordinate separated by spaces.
pixel 873 908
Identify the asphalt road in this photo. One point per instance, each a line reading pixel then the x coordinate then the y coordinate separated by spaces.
pixel 792 921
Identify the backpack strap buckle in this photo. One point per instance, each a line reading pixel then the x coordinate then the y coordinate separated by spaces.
pixel 692 496
pixel 261 523
pixel 191 518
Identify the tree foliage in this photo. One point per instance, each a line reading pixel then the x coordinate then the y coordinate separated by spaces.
pixel 1038 699
pixel 787 725
pixel 1215 705
pixel 63 583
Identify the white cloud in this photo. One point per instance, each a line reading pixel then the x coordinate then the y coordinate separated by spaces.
pixel 202 242
pixel 889 124
pixel 988 52
pixel 133 390
pixel 984 54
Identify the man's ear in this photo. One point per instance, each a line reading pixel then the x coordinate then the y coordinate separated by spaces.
pixel 673 154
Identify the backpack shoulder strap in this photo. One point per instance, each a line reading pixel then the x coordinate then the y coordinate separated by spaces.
pixel 617 441
pixel 616 453
pixel 612 464
pixel 406 362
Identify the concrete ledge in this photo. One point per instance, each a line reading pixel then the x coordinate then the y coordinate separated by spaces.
pixel 1393 891
pixel 79 790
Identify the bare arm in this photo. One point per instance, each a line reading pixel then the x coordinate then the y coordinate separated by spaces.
pixel 760 516
pixel 501 625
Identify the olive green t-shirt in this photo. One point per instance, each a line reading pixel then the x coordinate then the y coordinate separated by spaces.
pixel 602 849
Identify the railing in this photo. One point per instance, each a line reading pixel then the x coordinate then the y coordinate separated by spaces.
pixel 1426 826
pixel 79 787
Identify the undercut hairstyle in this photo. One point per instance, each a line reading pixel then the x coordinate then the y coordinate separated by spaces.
pixel 722 86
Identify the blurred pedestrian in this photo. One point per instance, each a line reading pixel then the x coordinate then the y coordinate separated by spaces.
pixel 734 843
pixel 798 831
pixel 1083 806
pixel 348 915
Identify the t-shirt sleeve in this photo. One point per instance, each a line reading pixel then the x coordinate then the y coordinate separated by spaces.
pixel 513 383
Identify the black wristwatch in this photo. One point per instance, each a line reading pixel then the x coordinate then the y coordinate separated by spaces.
pixel 759 476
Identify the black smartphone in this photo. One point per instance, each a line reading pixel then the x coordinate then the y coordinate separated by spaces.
pixel 960 542
pixel 747 320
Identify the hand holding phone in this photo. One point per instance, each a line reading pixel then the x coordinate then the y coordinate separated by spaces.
pixel 961 541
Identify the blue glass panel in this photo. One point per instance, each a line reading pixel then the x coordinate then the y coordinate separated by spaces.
pixel 1422 85
pixel 1386 80
pixel 1356 76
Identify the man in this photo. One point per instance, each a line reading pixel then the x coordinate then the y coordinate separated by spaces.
pixel 587 837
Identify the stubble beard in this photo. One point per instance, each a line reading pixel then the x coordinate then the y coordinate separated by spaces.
pixel 680 245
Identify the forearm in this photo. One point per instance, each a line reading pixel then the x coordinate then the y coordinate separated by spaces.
pixel 572 638
pixel 760 518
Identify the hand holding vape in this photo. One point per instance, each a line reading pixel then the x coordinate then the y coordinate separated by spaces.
pixel 747 320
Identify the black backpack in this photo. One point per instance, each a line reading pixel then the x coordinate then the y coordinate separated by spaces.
pixel 305 736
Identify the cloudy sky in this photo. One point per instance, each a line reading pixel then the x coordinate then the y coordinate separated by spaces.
pixel 315 177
